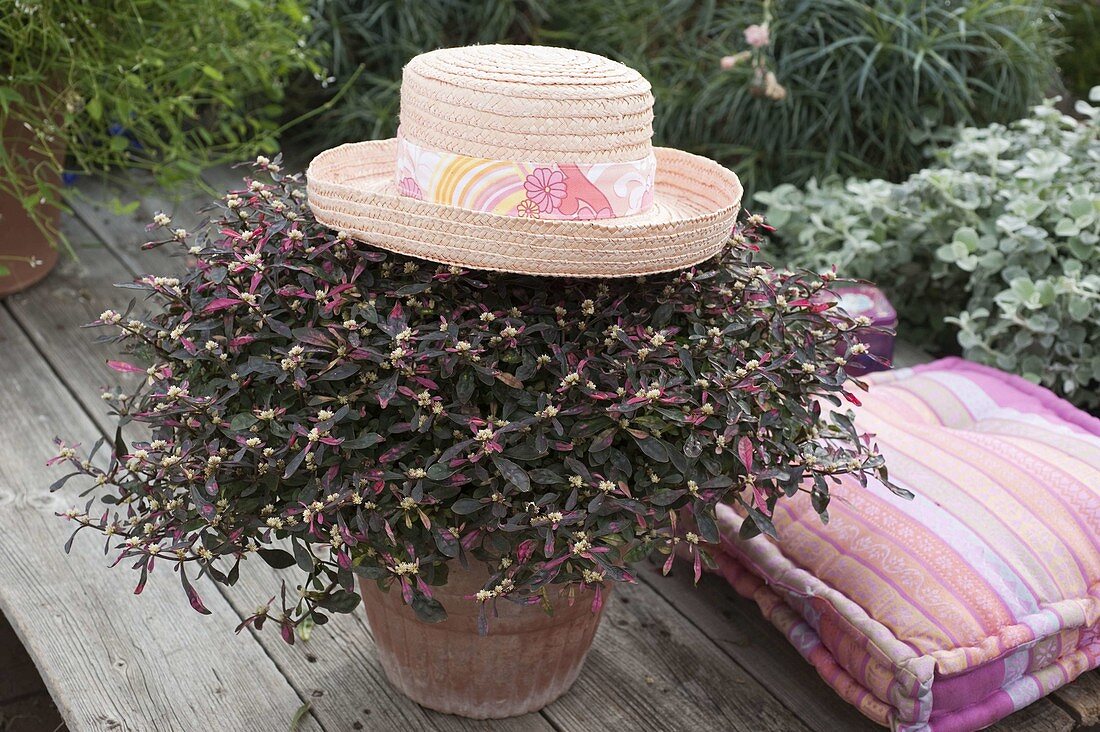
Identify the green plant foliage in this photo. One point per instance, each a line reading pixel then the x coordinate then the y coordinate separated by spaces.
pixel 868 82
pixel 167 85
pixel 996 248
pixel 1080 59
pixel 382 36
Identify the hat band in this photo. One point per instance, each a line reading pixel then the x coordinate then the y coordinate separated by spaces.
pixel 532 190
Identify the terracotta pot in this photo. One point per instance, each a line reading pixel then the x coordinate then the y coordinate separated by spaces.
pixel 27 254
pixel 527 660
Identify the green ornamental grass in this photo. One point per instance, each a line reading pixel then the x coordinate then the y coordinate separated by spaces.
pixel 867 84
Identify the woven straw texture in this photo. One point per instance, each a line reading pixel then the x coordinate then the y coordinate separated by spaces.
pixel 537 104
pixel 528 103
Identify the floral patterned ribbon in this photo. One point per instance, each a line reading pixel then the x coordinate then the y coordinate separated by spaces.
pixel 533 190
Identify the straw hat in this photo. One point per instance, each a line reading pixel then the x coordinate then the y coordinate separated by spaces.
pixel 527 159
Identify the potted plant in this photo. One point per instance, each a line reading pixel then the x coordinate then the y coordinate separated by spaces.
pixel 167 86
pixel 465 451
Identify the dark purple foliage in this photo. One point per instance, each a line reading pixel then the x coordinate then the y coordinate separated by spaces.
pixel 317 403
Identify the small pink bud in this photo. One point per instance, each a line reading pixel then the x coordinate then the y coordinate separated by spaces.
pixel 728 62
pixel 757 35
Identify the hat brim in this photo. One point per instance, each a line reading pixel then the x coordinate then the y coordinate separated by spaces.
pixel 696 201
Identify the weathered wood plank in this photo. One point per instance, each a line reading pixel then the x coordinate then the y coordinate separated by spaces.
pixel 1042 716
pixel 110 661
pixel 735 625
pixel 340 669
pixel 650 669
pixel 107 208
pixel 1082 699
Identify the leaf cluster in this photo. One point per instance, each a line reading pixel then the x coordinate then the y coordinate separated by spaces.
pixel 172 86
pixel 322 404
pixel 993 250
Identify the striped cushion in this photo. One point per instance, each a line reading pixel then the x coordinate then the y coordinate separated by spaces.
pixel 951 611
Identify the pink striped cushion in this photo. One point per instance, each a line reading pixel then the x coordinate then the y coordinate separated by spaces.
pixel 951 611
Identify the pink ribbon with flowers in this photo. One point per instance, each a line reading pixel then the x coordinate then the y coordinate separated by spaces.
pixel 531 190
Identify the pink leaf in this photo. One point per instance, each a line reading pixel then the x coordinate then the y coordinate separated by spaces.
pixel 241 341
pixel 125 368
pixel 597 600
pixel 219 304
pixel 744 451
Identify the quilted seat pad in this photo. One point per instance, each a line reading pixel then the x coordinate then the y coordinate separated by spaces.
pixel 982 594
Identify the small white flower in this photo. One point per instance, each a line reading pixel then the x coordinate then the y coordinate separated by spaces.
pixel 591 577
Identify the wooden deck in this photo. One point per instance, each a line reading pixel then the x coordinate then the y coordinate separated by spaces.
pixel 667 657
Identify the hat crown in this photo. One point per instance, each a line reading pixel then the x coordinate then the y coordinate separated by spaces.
pixel 527 103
